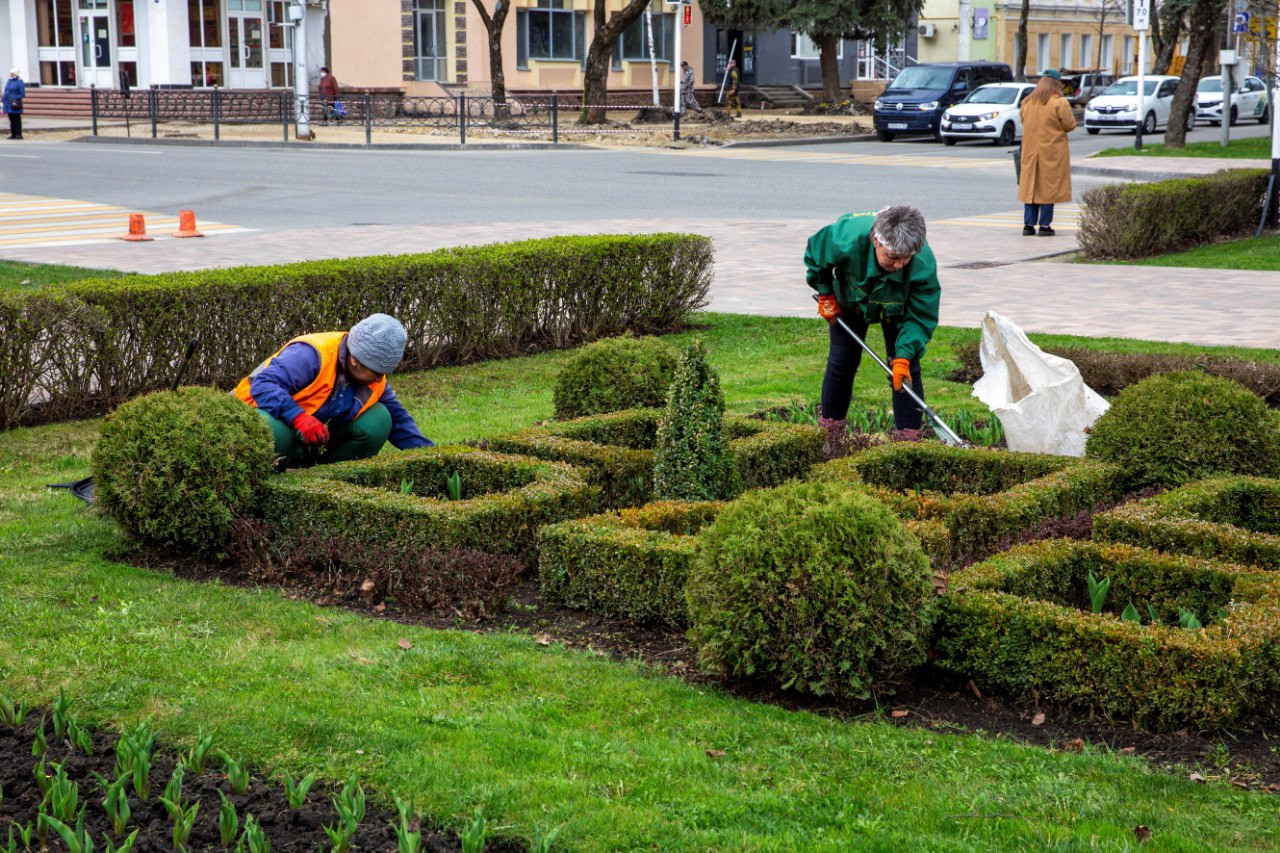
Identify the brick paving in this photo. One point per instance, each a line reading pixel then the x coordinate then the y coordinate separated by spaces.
pixel 759 271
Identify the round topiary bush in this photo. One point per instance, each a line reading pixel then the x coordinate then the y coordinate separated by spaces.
pixel 815 587
pixel 1173 428
pixel 615 374
pixel 173 468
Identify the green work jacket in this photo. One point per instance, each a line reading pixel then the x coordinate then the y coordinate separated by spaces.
pixel 841 259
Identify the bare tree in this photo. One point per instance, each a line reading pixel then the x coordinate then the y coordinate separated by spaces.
pixel 1167 26
pixel 493 26
pixel 595 76
pixel 1202 26
pixel 1020 56
pixel 1108 10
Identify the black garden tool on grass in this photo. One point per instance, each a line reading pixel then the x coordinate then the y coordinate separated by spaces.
pixel 83 488
pixel 946 433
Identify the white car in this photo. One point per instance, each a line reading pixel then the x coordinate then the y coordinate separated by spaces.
pixel 1117 107
pixel 990 112
pixel 1249 101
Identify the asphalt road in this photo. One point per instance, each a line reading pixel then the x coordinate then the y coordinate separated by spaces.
pixel 273 189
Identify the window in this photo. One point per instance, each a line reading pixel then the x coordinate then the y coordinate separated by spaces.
pixel 431 40
pixel 549 31
pixel 126 35
pixel 53 23
pixel 204 23
pixel 1107 53
pixel 1042 50
pixel 1167 89
pixel 803 47
pixel 1086 50
pixel 1064 52
pixel 633 46
pixel 1126 60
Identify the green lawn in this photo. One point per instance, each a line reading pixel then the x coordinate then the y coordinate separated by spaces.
pixel 1252 148
pixel 1260 253
pixel 543 736
pixel 15 275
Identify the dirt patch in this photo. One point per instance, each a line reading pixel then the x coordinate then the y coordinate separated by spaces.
pixel 288 829
pixel 1247 755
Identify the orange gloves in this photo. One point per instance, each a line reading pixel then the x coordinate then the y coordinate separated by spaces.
pixel 828 308
pixel 311 430
pixel 901 373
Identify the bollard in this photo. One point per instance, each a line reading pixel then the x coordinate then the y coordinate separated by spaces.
pixel 187 225
pixel 555 118
pixel 462 119
pixel 284 114
pixel 152 105
pixel 137 230
pixel 217 113
pixel 93 99
pixel 368 119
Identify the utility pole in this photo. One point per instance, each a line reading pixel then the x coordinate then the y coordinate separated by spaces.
pixel 679 75
pixel 1227 58
pixel 1141 23
pixel 301 91
pixel 1273 196
pixel 966 25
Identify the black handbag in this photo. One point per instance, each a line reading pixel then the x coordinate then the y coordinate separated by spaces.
pixel 16 106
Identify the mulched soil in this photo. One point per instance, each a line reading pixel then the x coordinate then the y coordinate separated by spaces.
pixel 287 829
pixel 1246 755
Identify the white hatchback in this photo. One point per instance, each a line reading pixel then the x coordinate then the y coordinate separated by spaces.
pixel 1248 101
pixel 990 112
pixel 1117 107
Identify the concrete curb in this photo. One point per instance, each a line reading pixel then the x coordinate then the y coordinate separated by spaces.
pixel 804 140
pixel 339 146
pixel 1132 174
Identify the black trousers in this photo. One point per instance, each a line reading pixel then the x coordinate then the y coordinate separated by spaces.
pixel 15 125
pixel 842 365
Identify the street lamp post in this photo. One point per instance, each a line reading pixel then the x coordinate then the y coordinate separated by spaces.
pixel 1141 22
pixel 298 17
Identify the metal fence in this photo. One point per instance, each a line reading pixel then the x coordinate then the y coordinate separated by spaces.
pixel 461 113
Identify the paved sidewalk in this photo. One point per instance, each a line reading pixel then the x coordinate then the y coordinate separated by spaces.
pixel 759 270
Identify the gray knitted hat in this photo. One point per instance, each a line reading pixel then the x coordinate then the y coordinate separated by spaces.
pixel 377 342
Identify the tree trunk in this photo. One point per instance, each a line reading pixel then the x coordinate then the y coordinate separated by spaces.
pixel 1202 26
pixel 595 75
pixel 828 58
pixel 1166 42
pixel 493 26
pixel 1020 56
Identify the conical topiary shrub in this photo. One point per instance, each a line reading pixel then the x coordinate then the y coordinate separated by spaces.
pixel 692 461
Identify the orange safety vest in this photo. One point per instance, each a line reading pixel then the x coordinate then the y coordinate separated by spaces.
pixel 318 392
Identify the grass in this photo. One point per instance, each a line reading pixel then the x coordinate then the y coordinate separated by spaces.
pixel 543 736
pixel 15 275
pixel 1250 148
pixel 1255 253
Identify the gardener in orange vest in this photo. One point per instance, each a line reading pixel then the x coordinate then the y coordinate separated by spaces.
pixel 326 395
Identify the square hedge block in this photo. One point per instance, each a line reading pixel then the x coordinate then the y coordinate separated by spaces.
pixel 1230 518
pixel 1022 623
pixel 617 450
pixel 961 503
pixel 632 563
pixel 403 496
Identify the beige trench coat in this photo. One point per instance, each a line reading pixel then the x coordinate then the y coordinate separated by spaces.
pixel 1046 158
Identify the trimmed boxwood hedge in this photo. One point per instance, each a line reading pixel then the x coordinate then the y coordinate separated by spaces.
pixel 401 498
pixel 961 503
pixel 1021 623
pixel 617 450
pixel 632 563
pixel 81 348
pixel 1228 518
pixel 1136 220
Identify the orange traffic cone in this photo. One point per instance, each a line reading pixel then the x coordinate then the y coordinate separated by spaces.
pixel 187 224
pixel 137 229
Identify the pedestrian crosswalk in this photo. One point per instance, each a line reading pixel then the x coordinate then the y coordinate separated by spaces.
pixel 1066 217
pixel 33 220
pixel 779 155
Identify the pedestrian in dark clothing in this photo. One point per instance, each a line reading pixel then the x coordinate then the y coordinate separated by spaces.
pixel 14 91
pixel 330 92
pixel 735 81
pixel 687 95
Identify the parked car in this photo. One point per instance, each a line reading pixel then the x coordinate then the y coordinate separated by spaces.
pixel 917 97
pixel 1248 101
pixel 1079 87
pixel 1117 107
pixel 990 112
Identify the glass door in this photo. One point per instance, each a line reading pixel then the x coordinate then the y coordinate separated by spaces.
pixel 245 29
pixel 95 44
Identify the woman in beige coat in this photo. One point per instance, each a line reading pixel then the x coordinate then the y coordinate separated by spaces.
pixel 1046 157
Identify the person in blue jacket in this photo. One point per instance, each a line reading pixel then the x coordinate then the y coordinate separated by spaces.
pixel 14 91
pixel 328 391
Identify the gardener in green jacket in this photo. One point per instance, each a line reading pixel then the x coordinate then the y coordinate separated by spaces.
pixel 874 268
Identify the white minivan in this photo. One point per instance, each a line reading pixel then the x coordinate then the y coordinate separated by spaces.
pixel 1117 107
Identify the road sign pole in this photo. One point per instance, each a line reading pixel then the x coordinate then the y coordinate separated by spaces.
pixel 1141 23
pixel 679 75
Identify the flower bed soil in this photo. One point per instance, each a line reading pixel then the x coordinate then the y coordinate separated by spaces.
pixel 1247 755
pixel 287 829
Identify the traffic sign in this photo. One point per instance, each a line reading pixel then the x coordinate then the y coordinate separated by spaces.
pixel 1141 15
pixel 1241 24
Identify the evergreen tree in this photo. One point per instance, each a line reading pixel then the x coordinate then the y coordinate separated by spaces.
pixel 693 461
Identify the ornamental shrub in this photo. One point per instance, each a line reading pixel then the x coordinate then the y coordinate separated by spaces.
pixel 174 468
pixel 615 374
pixel 692 461
pixel 815 587
pixel 1173 428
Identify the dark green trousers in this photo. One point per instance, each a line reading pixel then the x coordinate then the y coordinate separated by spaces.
pixel 359 439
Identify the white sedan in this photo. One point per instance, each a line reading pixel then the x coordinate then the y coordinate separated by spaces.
pixel 1117 107
pixel 990 112
pixel 1249 101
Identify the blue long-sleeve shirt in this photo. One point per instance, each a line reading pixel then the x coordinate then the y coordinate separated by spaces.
pixel 298 365
pixel 14 90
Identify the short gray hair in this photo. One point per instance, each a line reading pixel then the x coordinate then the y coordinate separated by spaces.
pixel 900 229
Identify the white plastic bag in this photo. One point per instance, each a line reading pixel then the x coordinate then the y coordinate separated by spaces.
pixel 1040 399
